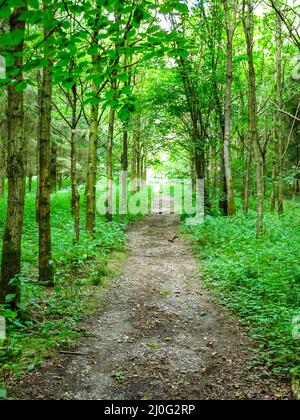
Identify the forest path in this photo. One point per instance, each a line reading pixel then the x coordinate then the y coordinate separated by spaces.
pixel 160 332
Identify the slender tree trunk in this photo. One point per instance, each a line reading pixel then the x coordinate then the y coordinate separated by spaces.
pixel 230 28
pixel 60 182
pixel 37 198
pixel 253 120
pixel 213 173
pixel 73 168
pixel 75 204
pixel 193 171
pixel 133 168
pixel 223 202
pixel 278 125
pixel 124 168
pixel 125 148
pixel 75 193
pixel 30 176
pixel 247 182
pixel 92 172
pixel 145 161
pixel 135 161
pixel 11 251
pixel 109 215
pixel 138 150
pixel 46 273
pixel 273 193
pixel 92 163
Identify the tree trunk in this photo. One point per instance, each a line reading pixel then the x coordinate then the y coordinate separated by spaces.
pixel 138 150
pixel 247 183
pixel 30 176
pixel 193 171
pixel 278 125
pixel 37 198
pixel 213 173
pixel 230 28
pixel 273 193
pixel 92 163
pixel 110 138
pixel 60 182
pixel 11 251
pixel 144 162
pixel 124 169
pixel 75 193
pixel 253 120
pixel 75 204
pixel 223 202
pixel 46 272
pixel 135 161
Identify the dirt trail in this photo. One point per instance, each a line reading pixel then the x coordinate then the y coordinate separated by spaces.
pixel 160 331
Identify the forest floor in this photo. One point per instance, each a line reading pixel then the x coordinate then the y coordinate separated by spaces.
pixel 158 335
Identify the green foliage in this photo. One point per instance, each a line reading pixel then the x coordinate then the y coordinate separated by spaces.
pixel 48 318
pixel 258 279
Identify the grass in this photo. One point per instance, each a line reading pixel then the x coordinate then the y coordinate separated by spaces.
pixel 258 279
pixel 50 316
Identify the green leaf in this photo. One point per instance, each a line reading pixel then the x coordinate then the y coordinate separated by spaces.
pixel 181 53
pixel 34 4
pixel 126 90
pixel 21 86
pixel 10 297
pixel 5 12
pixel 182 8
pixel 9 314
pixel 19 3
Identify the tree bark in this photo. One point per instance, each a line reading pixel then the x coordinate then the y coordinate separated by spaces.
pixel 11 250
pixel 46 272
pixel 223 201
pixel 124 160
pixel 135 158
pixel 230 29
pixel 37 198
pixel 273 193
pixel 109 215
pixel 247 182
pixel 213 173
pixel 92 162
pixel 75 204
pixel 278 124
pixel 30 176
pixel 253 119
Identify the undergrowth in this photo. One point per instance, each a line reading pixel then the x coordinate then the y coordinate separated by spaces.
pixel 48 317
pixel 259 279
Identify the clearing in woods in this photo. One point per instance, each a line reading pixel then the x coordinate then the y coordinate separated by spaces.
pixel 158 335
